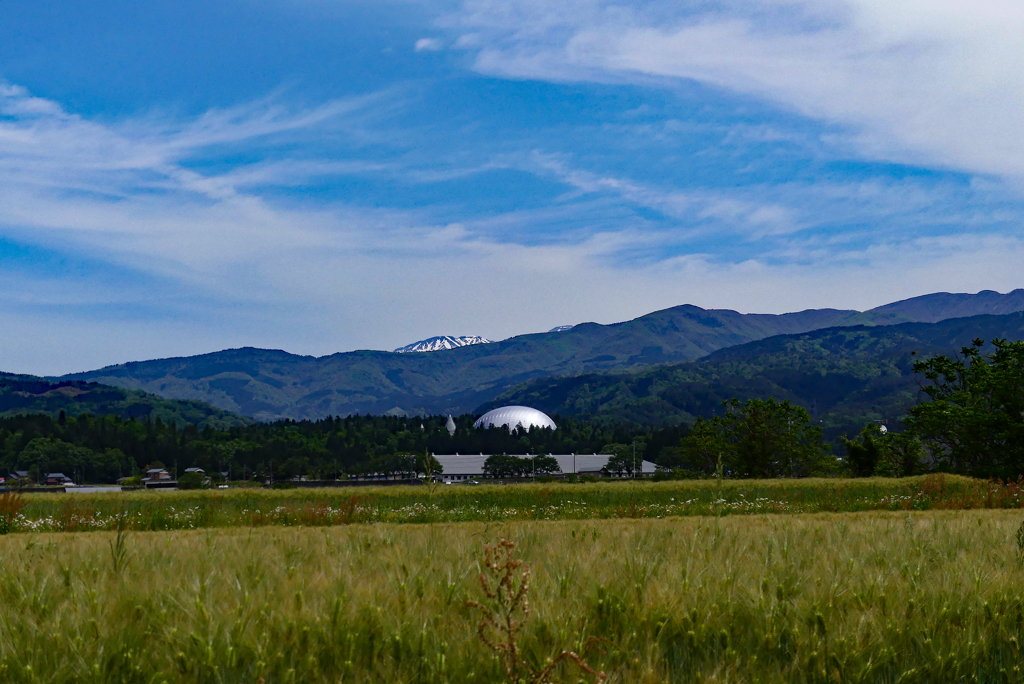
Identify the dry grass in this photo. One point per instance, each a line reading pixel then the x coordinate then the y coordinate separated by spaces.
pixel 874 597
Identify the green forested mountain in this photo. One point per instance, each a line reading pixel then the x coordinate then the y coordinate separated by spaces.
pixel 843 376
pixel 25 394
pixel 941 306
pixel 268 385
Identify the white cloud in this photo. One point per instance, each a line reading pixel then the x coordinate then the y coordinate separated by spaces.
pixel 938 82
pixel 724 212
pixel 216 264
pixel 428 45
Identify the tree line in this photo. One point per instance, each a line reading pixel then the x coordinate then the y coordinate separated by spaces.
pixel 971 421
pixel 101 449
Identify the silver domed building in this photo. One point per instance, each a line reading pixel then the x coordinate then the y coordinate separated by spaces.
pixel 514 416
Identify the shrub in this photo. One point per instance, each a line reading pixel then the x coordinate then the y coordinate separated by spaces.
pixel 193 481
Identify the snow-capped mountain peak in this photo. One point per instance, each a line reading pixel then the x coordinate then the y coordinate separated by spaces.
pixel 443 342
pixel 561 328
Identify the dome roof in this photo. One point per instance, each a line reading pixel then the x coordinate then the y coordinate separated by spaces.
pixel 512 416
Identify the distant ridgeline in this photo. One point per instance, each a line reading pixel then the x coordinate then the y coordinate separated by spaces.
pixel 25 394
pixel 844 377
pixel 269 385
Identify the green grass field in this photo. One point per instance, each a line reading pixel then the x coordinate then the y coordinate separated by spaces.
pixel 916 580
pixel 905 596
pixel 175 510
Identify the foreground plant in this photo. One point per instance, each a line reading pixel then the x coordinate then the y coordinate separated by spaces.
pixel 119 557
pixel 505 581
pixel 10 506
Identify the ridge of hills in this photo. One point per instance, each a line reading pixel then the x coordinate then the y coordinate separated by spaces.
pixel 941 306
pixel 844 376
pixel 273 384
pixel 24 394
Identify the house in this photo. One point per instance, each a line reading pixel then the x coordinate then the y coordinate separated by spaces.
pixel 159 478
pixel 57 479
pixel 17 477
pixel 156 475
pixel 195 470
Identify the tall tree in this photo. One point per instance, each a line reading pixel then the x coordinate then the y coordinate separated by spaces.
pixel 974 422
pixel 888 454
pixel 761 438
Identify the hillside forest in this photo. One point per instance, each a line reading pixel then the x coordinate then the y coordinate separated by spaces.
pixel 972 422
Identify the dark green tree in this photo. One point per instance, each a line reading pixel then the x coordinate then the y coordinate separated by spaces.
pixel 427 465
pixel 888 454
pixel 974 421
pixel 504 466
pixel 545 465
pixel 704 447
pixel 620 464
pixel 42 456
pixel 193 481
pixel 901 455
pixel 761 438
pixel 864 452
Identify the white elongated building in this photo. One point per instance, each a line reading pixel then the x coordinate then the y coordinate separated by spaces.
pixel 462 467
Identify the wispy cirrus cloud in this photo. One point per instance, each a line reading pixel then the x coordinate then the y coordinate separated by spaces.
pixel 939 83
pixel 173 252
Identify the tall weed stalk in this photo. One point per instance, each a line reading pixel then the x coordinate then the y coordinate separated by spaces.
pixel 119 556
pixel 505 581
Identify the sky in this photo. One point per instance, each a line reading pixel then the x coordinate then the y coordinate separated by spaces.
pixel 320 176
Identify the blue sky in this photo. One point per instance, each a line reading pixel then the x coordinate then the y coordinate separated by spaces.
pixel 317 176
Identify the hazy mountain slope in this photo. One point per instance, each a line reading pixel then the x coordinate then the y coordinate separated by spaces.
pixel 844 376
pixel 268 384
pixel 943 305
pixel 25 394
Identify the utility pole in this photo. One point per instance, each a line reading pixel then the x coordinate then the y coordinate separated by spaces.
pixel 634 459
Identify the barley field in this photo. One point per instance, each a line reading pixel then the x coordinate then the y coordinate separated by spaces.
pixel 907 596
pixel 178 510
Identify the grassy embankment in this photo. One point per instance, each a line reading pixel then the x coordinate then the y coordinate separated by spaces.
pixel 872 597
pixel 168 510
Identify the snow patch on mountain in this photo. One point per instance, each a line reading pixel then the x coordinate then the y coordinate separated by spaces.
pixel 443 342
pixel 562 328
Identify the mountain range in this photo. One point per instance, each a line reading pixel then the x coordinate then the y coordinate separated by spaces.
pixel 844 376
pixel 271 384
